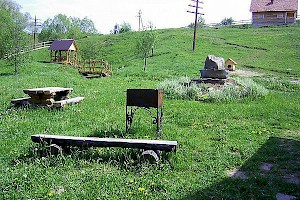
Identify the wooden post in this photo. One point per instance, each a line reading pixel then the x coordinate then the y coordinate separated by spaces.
pixel 285 18
pixel 196 25
pixel 196 20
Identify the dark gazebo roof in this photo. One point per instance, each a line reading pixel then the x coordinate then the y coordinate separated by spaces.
pixel 63 45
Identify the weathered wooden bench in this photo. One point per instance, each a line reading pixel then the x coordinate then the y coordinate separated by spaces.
pixel 20 101
pixel 56 104
pixel 62 103
pixel 162 145
pixel 151 148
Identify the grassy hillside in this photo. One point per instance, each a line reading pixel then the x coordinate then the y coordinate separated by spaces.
pixel 214 138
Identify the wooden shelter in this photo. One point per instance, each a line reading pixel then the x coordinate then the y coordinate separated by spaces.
pixel 64 51
pixel 230 64
pixel 273 12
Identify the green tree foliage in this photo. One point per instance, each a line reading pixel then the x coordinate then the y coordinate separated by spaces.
pixel 125 27
pixel 145 44
pixel 227 21
pixel 13 39
pixel 61 27
pixel 201 23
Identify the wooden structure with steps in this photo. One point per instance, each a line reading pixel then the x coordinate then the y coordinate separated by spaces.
pixel 95 68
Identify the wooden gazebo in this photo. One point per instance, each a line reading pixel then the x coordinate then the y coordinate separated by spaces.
pixel 64 51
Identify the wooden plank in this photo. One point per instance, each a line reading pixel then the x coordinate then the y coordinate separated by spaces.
pixel 20 101
pixel 61 103
pixel 162 145
pixel 46 90
pixel 93 76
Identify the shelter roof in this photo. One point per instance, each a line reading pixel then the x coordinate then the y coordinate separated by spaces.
pixel 230 60
pixel 273 5
pixel 63 45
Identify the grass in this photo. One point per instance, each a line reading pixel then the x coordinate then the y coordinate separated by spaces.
pixel 213 137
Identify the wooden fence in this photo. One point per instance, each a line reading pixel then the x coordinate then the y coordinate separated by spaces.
pixel 28 49
pixel 98 67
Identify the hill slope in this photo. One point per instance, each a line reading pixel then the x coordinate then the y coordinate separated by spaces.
pixel 214 139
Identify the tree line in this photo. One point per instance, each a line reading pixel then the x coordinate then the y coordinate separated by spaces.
pixel 16 29
pixel 61 26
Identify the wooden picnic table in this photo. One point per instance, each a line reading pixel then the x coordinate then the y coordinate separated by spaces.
pixel 48 95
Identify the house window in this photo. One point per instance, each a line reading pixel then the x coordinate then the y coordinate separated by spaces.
pixel 291 15
pixel 260 16
pixel 280 16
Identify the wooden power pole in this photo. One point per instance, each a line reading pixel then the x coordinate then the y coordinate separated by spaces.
pixel 196 19
pixel 35 30
pixel 140 19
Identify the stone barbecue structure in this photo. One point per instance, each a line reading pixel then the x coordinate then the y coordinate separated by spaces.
pixel 214 68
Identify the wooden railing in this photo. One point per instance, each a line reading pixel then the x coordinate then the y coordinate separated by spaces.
pixel 100 67
pixel 28 49
pixel 42 45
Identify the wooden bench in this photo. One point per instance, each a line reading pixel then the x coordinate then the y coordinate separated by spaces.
pixel 62 103
pixel 20 101
pixel 162 145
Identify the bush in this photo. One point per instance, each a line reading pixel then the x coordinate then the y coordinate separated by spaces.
pixel 227 21
pixel 242 89
pixel 245 88
pixel 179 89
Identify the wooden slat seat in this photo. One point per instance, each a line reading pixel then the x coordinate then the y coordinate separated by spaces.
pixel 62 103
pixel 162 145
pixel 20 101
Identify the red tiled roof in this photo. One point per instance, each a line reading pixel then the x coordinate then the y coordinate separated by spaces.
pixel 276 5
pixel 62 45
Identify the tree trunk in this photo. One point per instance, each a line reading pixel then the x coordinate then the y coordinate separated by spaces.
pixel 145 63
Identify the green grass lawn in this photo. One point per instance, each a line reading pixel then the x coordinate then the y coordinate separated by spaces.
pixel 213 138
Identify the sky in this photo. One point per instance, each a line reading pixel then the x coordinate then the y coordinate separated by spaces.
pixel 161 13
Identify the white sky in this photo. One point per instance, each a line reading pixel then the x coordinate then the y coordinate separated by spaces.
pixel 162 13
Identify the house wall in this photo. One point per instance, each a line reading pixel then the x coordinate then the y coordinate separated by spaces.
pixel 273 18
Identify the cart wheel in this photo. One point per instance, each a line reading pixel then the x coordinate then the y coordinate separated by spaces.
pixel 55 149
pixel 151 155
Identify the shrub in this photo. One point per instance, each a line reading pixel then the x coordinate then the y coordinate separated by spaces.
pixel 242 89
pixel 180 89
pixel 280 85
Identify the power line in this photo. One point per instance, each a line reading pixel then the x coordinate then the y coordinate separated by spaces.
pixel 196 18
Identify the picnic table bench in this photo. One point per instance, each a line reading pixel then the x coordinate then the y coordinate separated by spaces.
pixel 47 96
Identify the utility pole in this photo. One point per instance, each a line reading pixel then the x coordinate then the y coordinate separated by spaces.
pixel 140 19
pixel 35 31
pixel 196 18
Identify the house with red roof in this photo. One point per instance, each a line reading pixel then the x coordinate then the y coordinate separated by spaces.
pixel 64 51
pixel 273 12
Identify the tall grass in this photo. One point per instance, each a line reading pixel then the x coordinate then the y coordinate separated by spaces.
pixel 243 88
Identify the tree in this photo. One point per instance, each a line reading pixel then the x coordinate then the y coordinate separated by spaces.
pixel 145 44
pixel 125 27
pixel 61 27
pixel 227 21
pixel 201 23
pixel 13 39
pixel 87 26
pixel 56 28
pixel 17 54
